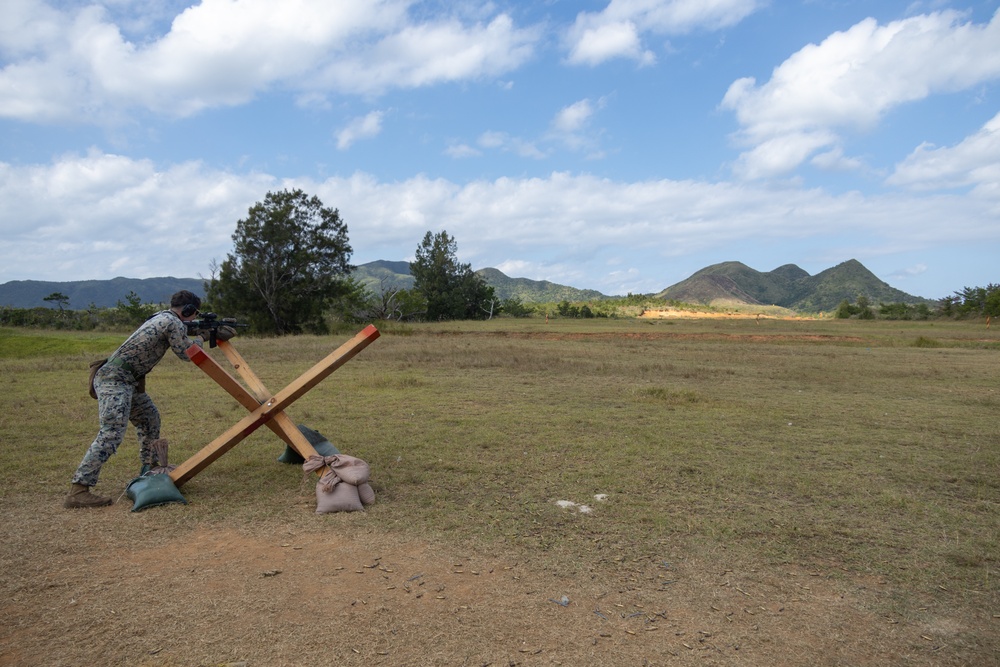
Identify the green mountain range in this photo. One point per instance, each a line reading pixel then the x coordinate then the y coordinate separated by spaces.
pixel 101 293
pixel 380 275
pixel 787 286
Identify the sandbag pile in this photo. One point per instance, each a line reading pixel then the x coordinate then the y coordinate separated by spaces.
pixel 344 485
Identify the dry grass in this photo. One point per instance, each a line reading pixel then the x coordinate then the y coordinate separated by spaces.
pixel 800 492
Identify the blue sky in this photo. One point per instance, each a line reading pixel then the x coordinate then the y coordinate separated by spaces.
pixel 617 146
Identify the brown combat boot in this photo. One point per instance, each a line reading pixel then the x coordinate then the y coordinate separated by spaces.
pixel 80 496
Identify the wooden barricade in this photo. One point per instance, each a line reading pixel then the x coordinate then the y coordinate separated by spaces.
pixel 265 408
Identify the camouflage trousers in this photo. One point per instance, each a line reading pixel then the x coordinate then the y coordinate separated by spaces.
pixel 118 403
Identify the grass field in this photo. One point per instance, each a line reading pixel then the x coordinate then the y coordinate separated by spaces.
pixel 776 492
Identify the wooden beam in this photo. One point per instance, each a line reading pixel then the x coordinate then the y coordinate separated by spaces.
pixel 238 391
pixel 266 411
pixel 281 424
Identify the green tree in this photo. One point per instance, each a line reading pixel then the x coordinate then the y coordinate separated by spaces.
pixel 452 290
pixel 949 305
pixel 514 307
pixel 981 301
pixel 865 311
pixel 566 309
pixel 992 304
pixel 59 299
pixel 289 264
pixel 134 312
pixel 896 311
pixel 388 302
pixel 845 310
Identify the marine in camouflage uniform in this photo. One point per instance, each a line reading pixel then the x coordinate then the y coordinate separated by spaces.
pixel 121 399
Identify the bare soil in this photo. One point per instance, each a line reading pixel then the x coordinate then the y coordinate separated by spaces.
pixel 110 587
pixel 744 314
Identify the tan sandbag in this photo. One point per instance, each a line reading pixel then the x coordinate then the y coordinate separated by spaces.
pixel 342 498
pixel 367 494
pixel 335 490
pixel 350 469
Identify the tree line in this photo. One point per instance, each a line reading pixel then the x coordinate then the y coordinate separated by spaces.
pixel 966 303
pixel 289 272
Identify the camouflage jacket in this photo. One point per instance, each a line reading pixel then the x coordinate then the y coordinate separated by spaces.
pixel 147 345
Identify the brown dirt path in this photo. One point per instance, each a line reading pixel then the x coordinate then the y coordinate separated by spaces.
pixel 97 588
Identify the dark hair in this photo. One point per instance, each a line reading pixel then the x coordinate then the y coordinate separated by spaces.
pixel 184 298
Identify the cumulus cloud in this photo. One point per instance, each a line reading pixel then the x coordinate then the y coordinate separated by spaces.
pixel 428 54
pixel 909 272
pixel 363 127
pixel 595 43
pixel 76 63
pixel 573 117
pixel 975 162
pixel 460 150
pixel 850 80
pixel 571 126
pixel 501 141
pixel 835 160
pixel 618 29
pixel 84 213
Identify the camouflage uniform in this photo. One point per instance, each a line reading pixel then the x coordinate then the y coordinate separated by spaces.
pixel 119 400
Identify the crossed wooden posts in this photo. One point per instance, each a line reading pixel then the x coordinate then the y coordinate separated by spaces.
pixel 265 408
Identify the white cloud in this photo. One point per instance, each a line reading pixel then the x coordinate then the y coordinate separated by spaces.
pixel 909 272
pixel 593 45
pixel 27 26
pixel 616 31
pixel 86 213
pixel 973 162
pixel 363 127
pixel 571 126
pixel 76 65
pixel 460 151
pixel 851 79
pixel 573 117
pixel 493 140
pixel 428 54
pixel 835 160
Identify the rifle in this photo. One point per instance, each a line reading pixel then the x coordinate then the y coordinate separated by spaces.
pixel 211 322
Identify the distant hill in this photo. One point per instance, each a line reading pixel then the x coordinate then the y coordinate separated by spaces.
pixel 377 275
pixel 101 293
pixel 788 286
pixel 535 291
pixel 383 274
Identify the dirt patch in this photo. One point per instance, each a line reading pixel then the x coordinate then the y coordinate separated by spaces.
pixel 104 587
pixel 748 314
